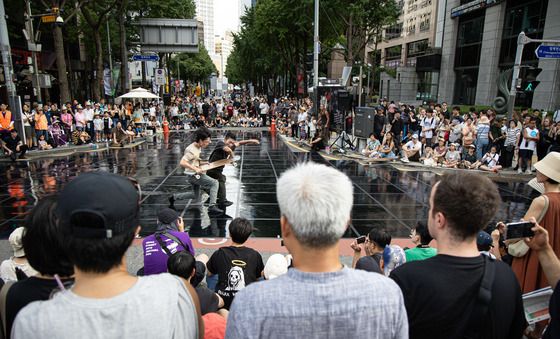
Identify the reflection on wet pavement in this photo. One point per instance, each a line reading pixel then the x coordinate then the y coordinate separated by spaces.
pixel 383 196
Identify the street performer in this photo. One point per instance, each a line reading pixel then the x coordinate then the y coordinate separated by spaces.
pixel 191 162
pixel 224 150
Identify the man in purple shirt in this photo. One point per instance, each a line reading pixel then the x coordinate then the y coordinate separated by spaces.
pixel 169 238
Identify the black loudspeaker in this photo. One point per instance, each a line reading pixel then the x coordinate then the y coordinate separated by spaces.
pixel 344 100
pixel 167 99
pixel 363 124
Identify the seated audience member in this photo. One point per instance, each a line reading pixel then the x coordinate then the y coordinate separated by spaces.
pixel 460 293
pixel 540 244
pixel 275 266
pixel 17 267
pixel 489 161
pixel 375 243
pixel 469 161
pixel 80 137
pixel 237 265
pixel 452 157
pixel 428 158
pixel 318 297
pixel 183 264
pixel 421 237
pixel 105 300
pixel 43 243
pixel 372 147
pixel 214 326
pixel 393 257
pixel 169 238
pixel 12 145
pixel 388 148
pixel 42 143
pixel 411 150
pixel 440 151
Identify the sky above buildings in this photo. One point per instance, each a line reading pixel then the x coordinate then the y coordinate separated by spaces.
pixel 226 16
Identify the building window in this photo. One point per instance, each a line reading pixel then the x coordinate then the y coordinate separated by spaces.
pixel 416 48
pixel 427 86
pixel 465 86
pixel 393 32
pixel 425 3
pixel 410 30
pixel 425 25
pixel 469 42
pixel 393 53
pixel 526 16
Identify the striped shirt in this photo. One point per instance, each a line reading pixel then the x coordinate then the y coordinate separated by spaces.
pixel 511 136
pixel 344 304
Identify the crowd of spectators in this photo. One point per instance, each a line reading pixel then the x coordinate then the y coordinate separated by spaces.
pixel 68 276
pixel 436 136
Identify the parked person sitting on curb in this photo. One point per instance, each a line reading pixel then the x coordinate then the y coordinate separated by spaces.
pixel 169 238
pixel 411 150
pixel 372 147
pixel 489 161
pixel 12 145
pixel 452 157
pixel 469 161
pixel 105 300
pixel 236 265
pixel 421 237
pixel 43 244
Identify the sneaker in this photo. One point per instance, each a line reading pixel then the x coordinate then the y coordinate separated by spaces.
pixel 405 160
pixel 226 203
pixel 528 172
pixel 214 210
pixel 519 171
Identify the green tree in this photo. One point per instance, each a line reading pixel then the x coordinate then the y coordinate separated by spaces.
pixel 195 67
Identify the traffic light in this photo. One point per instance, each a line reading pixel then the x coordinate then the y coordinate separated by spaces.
pixel 530 81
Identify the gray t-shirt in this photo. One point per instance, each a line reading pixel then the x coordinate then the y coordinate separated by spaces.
pixel 344 304
pixel 157 306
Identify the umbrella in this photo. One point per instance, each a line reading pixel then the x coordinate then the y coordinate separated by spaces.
pixel 140 93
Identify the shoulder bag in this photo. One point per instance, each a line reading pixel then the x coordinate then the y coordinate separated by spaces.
pixel 520 248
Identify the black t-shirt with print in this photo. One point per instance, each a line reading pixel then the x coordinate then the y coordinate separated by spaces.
pixel 236 267
pixel 440 294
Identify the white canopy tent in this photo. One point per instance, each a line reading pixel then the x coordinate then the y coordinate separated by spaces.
pixel 139 93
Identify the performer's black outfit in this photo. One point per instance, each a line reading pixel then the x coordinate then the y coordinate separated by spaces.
pixel 219 154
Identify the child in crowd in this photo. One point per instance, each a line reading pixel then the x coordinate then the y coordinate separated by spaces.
pixel 43 144
pixel 470 157
pixel 98 128
pixel 452 157
pixel 312 127
pixel 107 125
pixel 428 159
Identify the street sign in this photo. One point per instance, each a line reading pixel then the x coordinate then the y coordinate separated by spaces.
pixel 144 57
pixel 48 19
pixel 548 52
pixel 160 76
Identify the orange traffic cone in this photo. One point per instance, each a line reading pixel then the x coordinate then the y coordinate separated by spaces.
pixel 273 126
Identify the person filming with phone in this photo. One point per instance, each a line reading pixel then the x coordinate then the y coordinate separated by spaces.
pixel 546 211
pixel 373 244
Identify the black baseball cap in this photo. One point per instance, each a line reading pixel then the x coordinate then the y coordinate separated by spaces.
pixel 108 202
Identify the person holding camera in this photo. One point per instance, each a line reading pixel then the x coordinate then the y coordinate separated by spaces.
pixel 373 244
pixel 546 210
pixel 460 293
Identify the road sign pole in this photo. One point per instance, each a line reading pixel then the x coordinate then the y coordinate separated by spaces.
pixel 521 41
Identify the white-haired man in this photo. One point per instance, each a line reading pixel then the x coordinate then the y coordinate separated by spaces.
pixel 318 297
